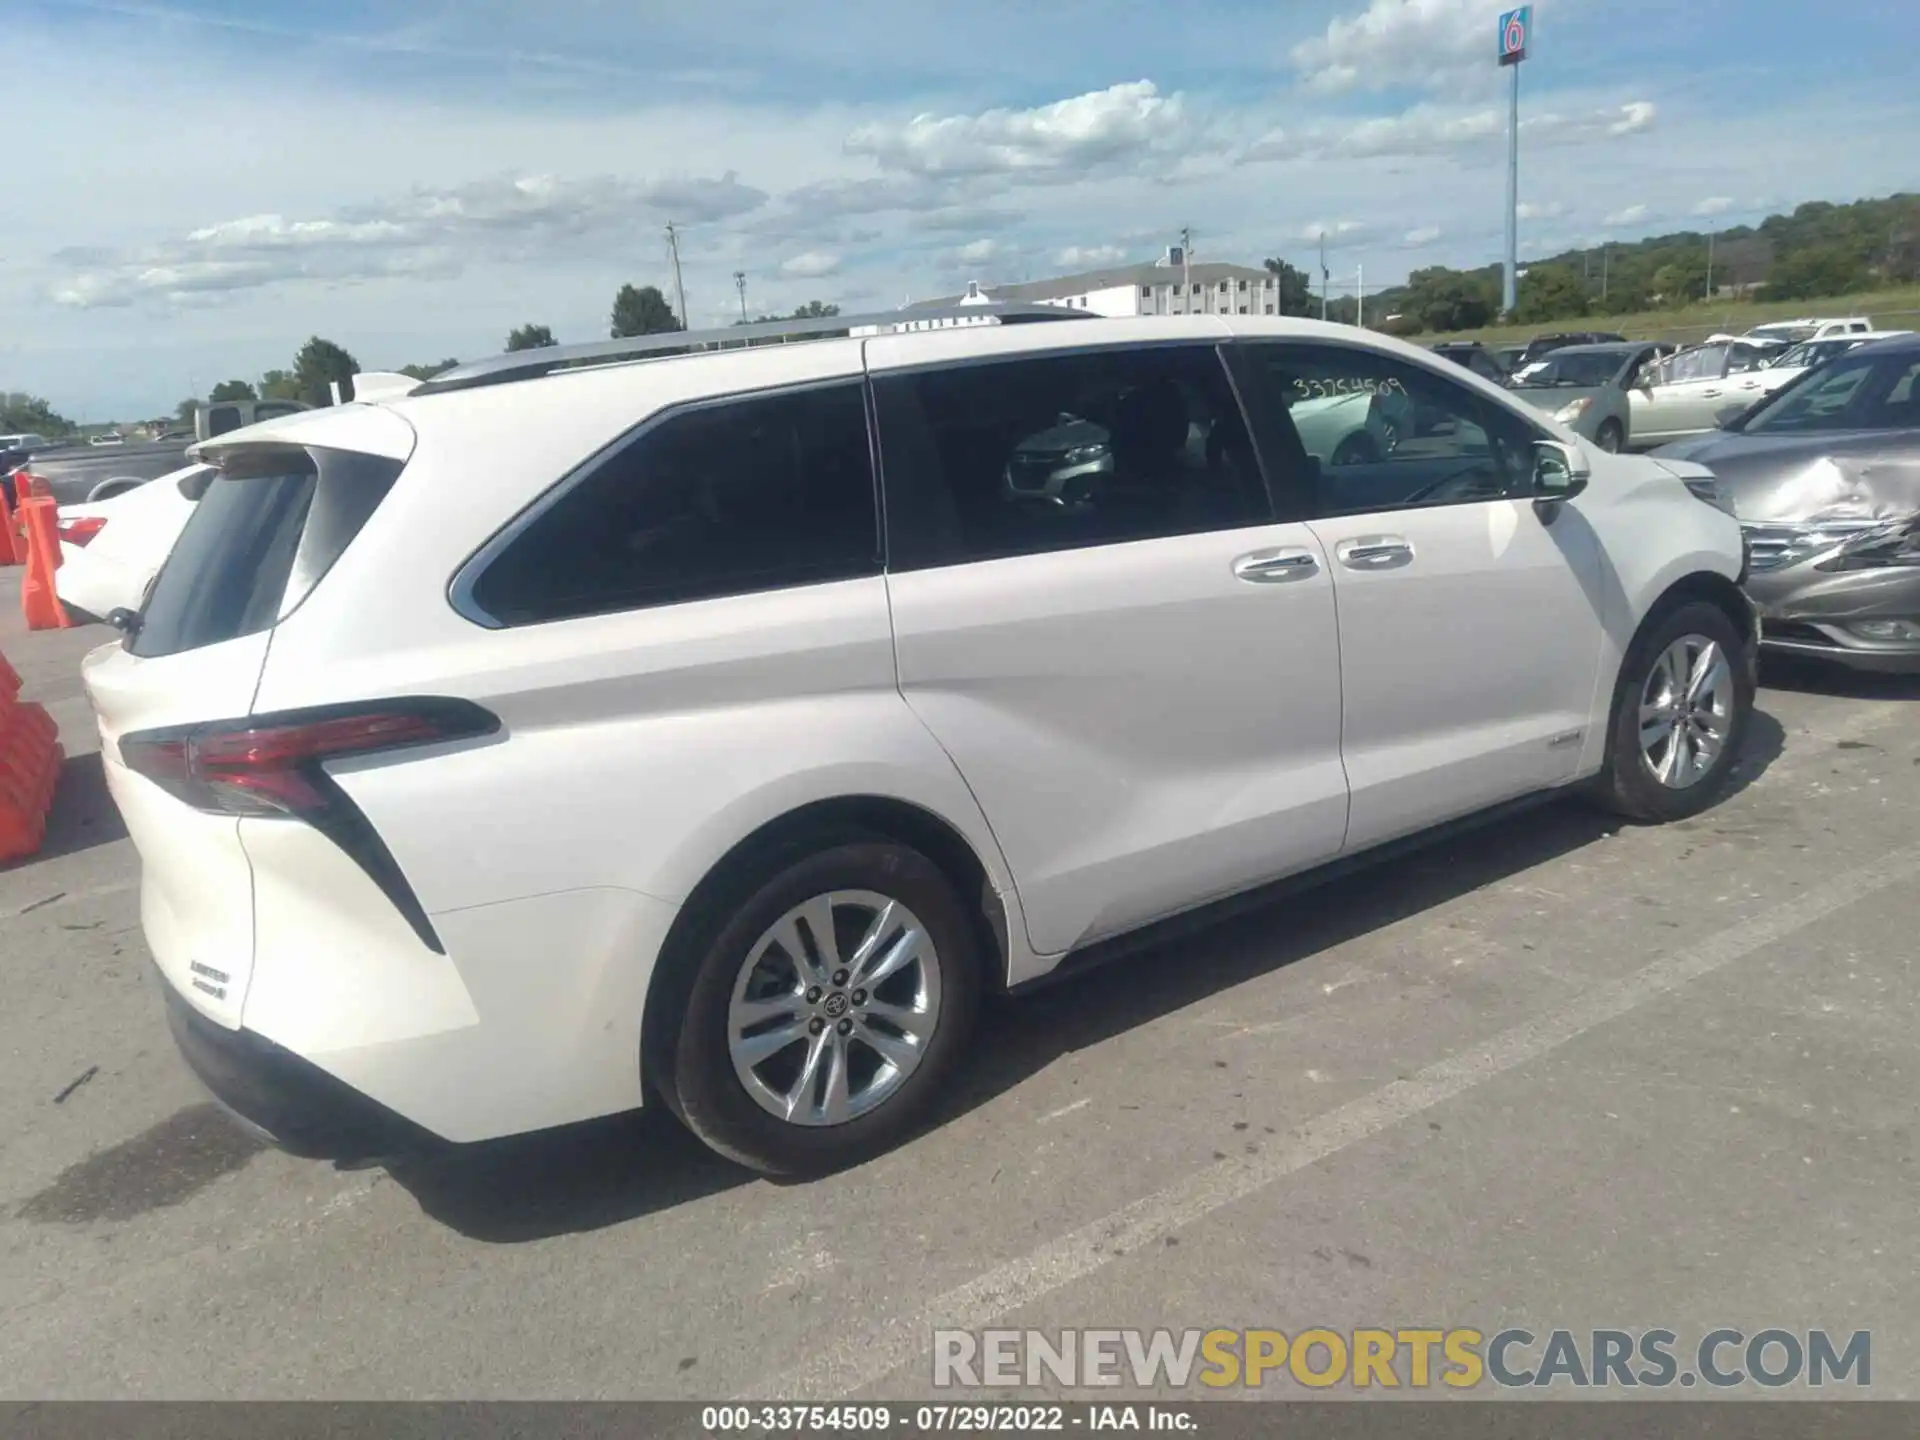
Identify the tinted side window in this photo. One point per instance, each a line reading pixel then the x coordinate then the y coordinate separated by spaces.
pixel 222 418
pixel 752 494
pixel 228 572
pixel 1056 452
pixel 1370 432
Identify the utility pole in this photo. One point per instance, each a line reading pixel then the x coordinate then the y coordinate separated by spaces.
pixel 679 290
pixel 1360 295
pixel 1186 264
pixel 1709 294
pixel 1326 275
pixel 1606 255
pixel 740 284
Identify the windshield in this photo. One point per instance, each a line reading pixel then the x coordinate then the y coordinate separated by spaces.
pixel 1856 392
pixel 1589 369
pixel 1812 352
pixel 1789 333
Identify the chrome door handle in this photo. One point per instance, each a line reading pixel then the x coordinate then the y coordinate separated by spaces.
pixel 1711 394
pixel 1374 552
pixel 1268 567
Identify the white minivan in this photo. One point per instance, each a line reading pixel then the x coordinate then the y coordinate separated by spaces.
pixel 597 728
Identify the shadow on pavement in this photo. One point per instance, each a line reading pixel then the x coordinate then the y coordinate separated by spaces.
pixel 610 1171
pixel 83 813
pixel 559 1182
pixel 1812 678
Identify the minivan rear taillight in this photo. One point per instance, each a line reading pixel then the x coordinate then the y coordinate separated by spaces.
pixel 81 529
pixel 274 766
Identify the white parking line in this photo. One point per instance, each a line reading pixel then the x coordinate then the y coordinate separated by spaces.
pixel 843 1366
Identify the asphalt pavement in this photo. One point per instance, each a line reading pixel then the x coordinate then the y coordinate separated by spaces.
pixel 1560 1074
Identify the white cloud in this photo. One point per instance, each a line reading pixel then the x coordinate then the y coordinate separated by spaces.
pixel 1714 205
pixel 425 232
pixel 1631 215
pixel 1090 257
pixel 1118 127
pixel 1338 230
pixel 968 217
pixel 1433 130
pixel 812 263
pixel 1541 210
pixel 1398 42
pixel 976 252
pixel 1425 235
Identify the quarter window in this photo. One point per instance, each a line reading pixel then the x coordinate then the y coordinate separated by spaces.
pixel 1062 451
pixel 746 495
pixel 1365 431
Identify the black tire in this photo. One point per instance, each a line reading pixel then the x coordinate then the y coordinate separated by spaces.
pixel 1627 785
pixel 1611 438
pixel 696 1078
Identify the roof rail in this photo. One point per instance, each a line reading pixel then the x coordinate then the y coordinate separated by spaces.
pixel 529 364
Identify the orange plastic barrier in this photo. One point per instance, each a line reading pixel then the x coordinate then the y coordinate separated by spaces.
pixel 13 548
pixel 39 602
pixel 30 760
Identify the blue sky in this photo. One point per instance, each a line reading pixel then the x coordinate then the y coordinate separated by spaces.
pixel 208 182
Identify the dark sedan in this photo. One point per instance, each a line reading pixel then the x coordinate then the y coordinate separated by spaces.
pixel 1825 478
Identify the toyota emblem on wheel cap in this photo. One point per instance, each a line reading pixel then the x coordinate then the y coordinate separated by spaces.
pixel 836 1005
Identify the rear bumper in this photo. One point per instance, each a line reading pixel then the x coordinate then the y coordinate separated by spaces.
pixel 284 1099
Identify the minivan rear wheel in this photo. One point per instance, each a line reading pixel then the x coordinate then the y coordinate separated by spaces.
pixel 1680 713
pixel 828 1010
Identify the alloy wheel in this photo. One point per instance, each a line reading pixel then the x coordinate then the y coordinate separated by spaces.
pixel 1686 712
pixel 834 1007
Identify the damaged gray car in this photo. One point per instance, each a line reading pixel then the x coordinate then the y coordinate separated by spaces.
pixel 1824 476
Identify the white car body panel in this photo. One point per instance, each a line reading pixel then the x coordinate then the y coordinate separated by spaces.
pixel 195 882
pixel 1117 733
pixel 112 571
pixel 1144 730
pixel 1493 626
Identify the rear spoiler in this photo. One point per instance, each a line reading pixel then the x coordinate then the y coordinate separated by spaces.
pixel 374 385
pixel 368 429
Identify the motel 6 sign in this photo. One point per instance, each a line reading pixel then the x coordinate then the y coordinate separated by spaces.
pixel 1516 29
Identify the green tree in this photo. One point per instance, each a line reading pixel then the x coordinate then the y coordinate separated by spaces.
pixel 318 366
pixel 1549 292
pixel 185 411
pixel 815 310
pixel 1815 272
pixel 279 385
pixel 1442 299
pixel 1296 288
pixel 530 337
pixel 29 414
pixel 232 390
pixel 427 372
pixel 642 311
pixel 1682 279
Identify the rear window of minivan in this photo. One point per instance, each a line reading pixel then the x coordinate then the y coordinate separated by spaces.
pixel 268 526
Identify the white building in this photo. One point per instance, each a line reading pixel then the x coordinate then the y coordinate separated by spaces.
pixel 1166 286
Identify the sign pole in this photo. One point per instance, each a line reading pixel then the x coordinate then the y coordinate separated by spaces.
pixel 1516 27
pixel 1510 290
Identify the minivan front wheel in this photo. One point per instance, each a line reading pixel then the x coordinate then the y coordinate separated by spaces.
pixel 829 1011
pixel 1680 712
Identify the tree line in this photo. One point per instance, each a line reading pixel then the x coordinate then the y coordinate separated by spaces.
pixel 1819 251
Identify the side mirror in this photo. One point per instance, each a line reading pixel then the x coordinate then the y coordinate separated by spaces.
pixel 1560 472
